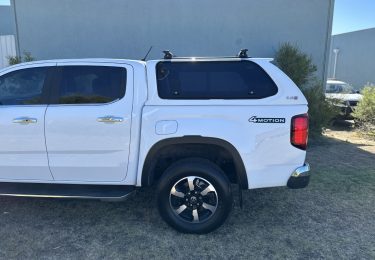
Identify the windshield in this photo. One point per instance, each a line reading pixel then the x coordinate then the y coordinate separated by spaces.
pixel 339 88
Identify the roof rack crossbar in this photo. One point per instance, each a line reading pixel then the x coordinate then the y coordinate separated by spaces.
pixel 242 54
pixel 203 57
pixel 168 55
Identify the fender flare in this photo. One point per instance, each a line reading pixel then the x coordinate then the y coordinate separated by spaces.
pixel 147 171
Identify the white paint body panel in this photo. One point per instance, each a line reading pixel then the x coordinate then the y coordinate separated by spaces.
pixel 265 149
pixel 166 127
pixel 81 150
pixel 23 155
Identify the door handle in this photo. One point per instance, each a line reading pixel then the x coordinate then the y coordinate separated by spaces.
pixel 25 120
pixel 110 119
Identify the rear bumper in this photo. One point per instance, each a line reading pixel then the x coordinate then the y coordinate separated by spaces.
pixel 300 177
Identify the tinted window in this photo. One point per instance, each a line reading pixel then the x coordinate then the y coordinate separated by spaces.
pixel 23 87
pixel 339 88
pixel 91 84
pixel 213 80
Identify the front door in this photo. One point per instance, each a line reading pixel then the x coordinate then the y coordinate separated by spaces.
pixel 88 126
pixel 23 154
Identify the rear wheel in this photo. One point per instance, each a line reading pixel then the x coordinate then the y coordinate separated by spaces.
pixel 194 196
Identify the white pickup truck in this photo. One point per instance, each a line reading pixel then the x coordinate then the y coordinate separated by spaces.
pixel 190 127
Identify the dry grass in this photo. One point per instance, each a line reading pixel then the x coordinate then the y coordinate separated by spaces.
pixel 332 218
pixel 362 141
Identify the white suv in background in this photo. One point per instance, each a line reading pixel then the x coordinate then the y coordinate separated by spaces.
pixel 345 94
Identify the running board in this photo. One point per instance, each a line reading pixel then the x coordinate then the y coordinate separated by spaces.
pixel 69 191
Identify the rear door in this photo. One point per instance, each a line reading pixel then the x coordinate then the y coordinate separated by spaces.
pixel 23 103
pixel 88 124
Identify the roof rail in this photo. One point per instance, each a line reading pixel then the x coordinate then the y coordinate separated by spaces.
pixel 168 55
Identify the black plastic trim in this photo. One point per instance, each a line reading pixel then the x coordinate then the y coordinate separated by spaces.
pixel 148 174
pixel 79 191
pixel 298 182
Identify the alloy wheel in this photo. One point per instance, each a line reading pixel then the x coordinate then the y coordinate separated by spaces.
pixel 193 199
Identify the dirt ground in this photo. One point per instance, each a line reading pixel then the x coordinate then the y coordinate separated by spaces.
pixel 332 218
pixel 352 136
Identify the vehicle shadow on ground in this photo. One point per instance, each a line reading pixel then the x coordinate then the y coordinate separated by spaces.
pixel 331 218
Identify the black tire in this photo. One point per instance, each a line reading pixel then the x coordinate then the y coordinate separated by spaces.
pixel 207 175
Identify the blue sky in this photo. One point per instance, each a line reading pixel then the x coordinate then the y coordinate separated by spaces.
pixel 353 15
pixel 349 15
pixel 4 2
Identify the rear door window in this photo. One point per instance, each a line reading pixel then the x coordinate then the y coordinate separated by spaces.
pixel 213 80
pixel 90 84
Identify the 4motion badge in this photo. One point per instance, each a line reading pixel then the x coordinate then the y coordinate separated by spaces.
pixel 268 120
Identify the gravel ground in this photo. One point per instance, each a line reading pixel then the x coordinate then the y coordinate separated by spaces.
pixel 332 218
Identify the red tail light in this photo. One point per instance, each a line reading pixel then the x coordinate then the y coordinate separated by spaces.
pixel 299 131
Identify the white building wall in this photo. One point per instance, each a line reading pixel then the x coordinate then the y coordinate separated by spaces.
pixel 355 58
pixel 127 28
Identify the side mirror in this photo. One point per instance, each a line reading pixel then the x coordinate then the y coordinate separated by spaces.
pixel 357 92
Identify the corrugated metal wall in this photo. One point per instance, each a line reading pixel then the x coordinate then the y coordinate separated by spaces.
pixel 7 48
pixel 356 57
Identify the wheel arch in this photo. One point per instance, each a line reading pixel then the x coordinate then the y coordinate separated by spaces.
pixel 148 170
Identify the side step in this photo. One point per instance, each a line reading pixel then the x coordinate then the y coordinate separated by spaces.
pixel 70 191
